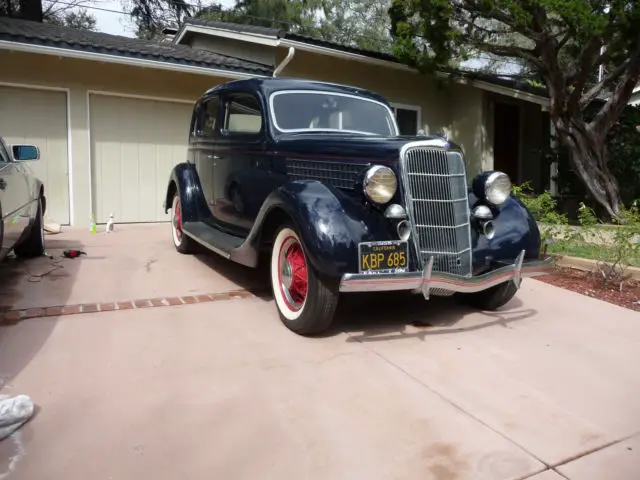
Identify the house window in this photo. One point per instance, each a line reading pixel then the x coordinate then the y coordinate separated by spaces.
pixel 408 118
pixel 243 115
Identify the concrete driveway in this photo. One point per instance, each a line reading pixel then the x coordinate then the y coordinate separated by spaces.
pixel 216 387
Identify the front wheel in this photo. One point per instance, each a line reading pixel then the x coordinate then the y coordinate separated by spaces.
pixel 182 242
pixel 33 245
pixel 305 298
pixel 491 298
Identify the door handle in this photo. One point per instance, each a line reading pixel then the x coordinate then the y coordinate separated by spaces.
pixel 3 184
pixel 213 157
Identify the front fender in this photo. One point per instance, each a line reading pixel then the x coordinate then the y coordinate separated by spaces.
pixel 185 180
pixel 330 222
pixel 515 230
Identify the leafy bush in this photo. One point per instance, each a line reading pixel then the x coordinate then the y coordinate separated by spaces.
pixel 544 208
pixel 616 248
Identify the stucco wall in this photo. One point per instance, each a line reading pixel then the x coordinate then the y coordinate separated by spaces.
pixel 80 76
pixel 469 124
pixel 234 48
pixel 397 86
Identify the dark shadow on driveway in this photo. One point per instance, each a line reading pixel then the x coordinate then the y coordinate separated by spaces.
pixel 254 280
pixel 386 316
pixel 27 283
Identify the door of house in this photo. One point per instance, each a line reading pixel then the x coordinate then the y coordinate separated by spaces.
pixel 506 134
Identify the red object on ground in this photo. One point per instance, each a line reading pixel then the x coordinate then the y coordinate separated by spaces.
pixel 73 253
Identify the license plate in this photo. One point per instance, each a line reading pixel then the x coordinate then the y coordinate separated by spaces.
pixel 383 257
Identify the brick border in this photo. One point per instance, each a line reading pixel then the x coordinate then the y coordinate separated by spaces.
pixel 14 316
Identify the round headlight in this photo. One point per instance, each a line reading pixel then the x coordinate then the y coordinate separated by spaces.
pixel 497 188
pixel 380 184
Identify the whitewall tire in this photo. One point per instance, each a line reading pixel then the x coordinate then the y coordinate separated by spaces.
pixel 306 300
pixel 182 242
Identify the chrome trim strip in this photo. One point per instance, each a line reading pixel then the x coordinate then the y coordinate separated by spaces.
pixel 428 280
pixel 274 118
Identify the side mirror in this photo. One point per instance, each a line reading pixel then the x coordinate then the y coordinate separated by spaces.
pixel 23 153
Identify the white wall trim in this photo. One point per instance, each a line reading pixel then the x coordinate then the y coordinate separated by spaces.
pixel 88 103
pixel 67 93
pixel 70 158
pixel 508 92
pixel 140 97
pixel 269 40
pixel 414 108
pixel 136 62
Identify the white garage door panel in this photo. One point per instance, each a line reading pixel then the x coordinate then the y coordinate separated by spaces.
pixel 135 143
pixel 39 117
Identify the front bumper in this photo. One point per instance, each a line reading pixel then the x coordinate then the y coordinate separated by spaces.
pixel 426 280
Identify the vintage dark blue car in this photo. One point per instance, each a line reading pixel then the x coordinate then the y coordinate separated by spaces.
pixel 22 202
pixel 316 177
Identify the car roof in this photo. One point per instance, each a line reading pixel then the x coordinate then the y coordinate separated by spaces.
pixel 270 85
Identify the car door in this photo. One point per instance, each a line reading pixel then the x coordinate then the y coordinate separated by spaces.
pixel 14 198
pixel 205 135
pixel 242 168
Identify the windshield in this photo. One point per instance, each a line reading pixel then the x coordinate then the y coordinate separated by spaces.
pixel 300 111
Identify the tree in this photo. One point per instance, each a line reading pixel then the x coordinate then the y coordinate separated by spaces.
pixel 68 13
pixel 562 42
pixel 79 19
pixel 153 16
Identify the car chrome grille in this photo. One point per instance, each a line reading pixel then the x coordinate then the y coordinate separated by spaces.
pixel 435 185
pixel 338 174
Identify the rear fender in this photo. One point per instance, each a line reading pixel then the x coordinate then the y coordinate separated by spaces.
pixel 184 180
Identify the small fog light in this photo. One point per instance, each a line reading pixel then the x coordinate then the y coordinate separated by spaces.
pixel 482 212
pixel 488 229
pixel 404 230
pixel 395 211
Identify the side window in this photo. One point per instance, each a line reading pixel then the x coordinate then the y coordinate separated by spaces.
pixel 207 118
pixel 243 115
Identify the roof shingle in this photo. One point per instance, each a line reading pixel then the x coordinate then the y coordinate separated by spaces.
pixel 22 31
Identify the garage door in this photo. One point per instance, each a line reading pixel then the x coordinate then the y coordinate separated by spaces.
pixel 40 117
pixel 134 145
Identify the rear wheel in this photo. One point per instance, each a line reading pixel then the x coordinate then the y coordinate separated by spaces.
pixel 492 298
pixel 182 242
pixel 33 245
pixel 305 298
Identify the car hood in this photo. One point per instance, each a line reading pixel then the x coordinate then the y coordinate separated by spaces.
pixel 345 146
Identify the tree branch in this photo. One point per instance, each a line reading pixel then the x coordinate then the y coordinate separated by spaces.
pixel 607 81
pixel 603 121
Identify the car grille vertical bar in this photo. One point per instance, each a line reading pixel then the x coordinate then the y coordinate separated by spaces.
pixel 435 186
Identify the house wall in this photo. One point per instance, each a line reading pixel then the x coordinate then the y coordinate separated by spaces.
pixel 80 77
pixel 397 86
pixel 234 48
pixel 468 127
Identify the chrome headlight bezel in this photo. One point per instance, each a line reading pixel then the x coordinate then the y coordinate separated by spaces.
pixel 380 184
pixel 497 188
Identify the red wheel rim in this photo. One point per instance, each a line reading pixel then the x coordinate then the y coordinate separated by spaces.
pixel 292 274
pixel 177 220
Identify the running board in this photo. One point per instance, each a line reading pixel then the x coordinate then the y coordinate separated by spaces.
pixel 215 240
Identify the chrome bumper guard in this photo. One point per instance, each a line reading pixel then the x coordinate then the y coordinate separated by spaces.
pixel 426 280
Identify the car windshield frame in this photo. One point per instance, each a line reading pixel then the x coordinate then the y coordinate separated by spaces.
pixel 391 118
